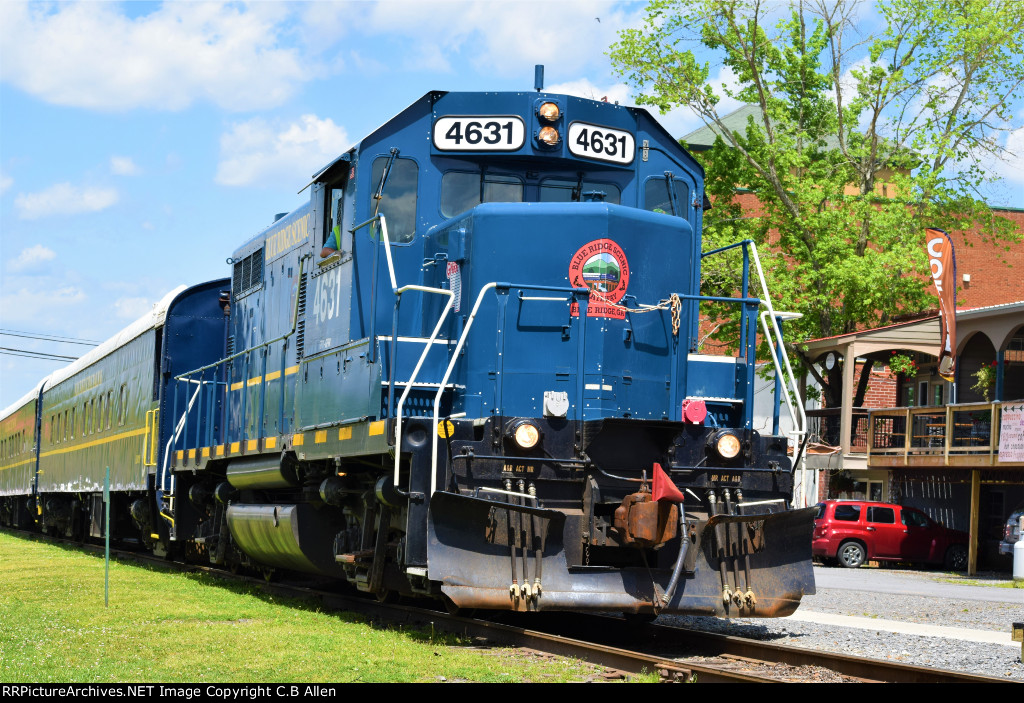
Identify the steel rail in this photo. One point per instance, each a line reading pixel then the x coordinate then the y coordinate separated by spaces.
pixel 561 634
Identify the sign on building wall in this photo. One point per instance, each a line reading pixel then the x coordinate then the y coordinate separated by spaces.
pixel 1011 433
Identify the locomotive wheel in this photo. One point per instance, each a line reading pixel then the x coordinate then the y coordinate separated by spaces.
pixel 851 555
pixel 386 596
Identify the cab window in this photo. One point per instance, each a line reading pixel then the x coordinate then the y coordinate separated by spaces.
pixel 461 191
pixel 561 190
pixel 332 232
pixel 398 204
pixel 658 196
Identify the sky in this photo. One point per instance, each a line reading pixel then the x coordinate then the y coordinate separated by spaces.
pixel 142 142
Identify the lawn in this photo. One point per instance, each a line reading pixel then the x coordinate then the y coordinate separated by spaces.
pixel 174 627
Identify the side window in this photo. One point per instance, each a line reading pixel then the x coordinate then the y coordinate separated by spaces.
pixel 885 516
pixel 658 196
pixel 847 513
pixel 398 201
pixel 110 406
pixel 461 191
pixel 122 404
pixel 912 518
pixel 332 232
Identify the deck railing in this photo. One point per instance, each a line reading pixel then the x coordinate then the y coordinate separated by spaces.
pixel 970 429
pixel 825 423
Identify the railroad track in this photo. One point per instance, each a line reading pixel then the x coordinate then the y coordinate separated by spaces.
pixel 622 647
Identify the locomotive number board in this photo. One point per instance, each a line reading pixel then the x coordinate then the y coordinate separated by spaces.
pixel 591 141
pixel 480 133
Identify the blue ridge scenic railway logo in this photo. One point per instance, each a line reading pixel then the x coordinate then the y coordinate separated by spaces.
pixel 601 266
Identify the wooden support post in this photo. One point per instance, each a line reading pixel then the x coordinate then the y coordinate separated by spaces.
pixel 972 552
pixel 846 411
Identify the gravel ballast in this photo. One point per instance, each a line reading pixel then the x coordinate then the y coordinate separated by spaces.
pixel 970 609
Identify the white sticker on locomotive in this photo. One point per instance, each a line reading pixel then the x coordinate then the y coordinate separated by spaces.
pixel 480 133
pixel 455 285
pixel 591 141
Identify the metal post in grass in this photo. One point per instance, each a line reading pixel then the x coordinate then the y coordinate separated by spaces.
pixel 106 537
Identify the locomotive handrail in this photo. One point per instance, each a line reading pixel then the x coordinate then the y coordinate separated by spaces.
pixel 186 377
pixel 773 336
pixel 458 349
pixel 412 377
pixel 398 292
pixel 373 284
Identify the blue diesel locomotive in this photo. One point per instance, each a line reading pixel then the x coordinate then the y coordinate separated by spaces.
pixel 467 369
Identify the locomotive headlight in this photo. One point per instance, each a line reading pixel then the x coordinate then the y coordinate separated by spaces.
pixel 525 434
pixel 726 444
pixel 549 112
pixel 549 136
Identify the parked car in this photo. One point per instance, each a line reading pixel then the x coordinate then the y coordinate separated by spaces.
pixel 855 531
pixel 1011 532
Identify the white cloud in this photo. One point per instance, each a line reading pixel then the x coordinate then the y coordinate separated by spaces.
pixel 29 258
pixel 132 308
pixel 618 92
pixel 123 166
pixel 506 39
pixel 257 151
pixel 31 305
pixel 94 55
pixel 1011 167
pixel 64 199
pixel 5 182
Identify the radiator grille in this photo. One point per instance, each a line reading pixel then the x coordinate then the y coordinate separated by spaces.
pixel 300 329
pixel 247 274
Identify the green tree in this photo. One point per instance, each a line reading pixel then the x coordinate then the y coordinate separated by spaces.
pixel 859 143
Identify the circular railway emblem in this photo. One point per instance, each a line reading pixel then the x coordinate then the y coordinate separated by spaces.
pixel 601 266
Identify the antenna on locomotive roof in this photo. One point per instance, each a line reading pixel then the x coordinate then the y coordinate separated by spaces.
pixel 538 77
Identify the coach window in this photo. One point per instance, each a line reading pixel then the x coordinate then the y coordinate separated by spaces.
pixel 560 190
pixel 122 405
pixel 110 406
pixel 461 191
pixel 398 201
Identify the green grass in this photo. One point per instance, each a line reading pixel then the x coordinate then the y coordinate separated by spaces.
pixel 963 581
pixel 165 626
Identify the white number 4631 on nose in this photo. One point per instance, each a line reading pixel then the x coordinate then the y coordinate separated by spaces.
pixel 592 141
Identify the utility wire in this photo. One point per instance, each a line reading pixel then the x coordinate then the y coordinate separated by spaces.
pixel 50 337
pixel 36 355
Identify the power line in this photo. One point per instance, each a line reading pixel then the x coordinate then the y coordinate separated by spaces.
pixel 50 337
pixel 36 355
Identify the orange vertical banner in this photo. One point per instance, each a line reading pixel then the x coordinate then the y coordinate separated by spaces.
pixel 942 261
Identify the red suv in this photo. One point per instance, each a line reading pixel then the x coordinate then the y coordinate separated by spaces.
pixel 854 531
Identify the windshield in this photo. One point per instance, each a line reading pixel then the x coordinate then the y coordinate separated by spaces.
pixel 465 189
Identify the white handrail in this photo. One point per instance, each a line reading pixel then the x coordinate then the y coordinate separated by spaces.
pixel 444 381
pixel 801 425
pixel 788 376
pixel 177 433
pixel 412 378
